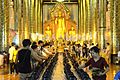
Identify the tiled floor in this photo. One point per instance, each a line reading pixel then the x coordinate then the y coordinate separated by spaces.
pixel 4 73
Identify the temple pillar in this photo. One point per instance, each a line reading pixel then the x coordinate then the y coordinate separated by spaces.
pixel 22 19
pixel 41 16
pixel 19 22
pixel 6 23
pixel 88 19
pixel 81 19
pixel 11 19
pixel 82 22
pixel 31 15
pixel 102 21
pixel 93 19
pixel 25 21
pixel 28 18
pixel 98 22
pixel 1 23
pixel 79 15
pixel 115 16
pixel 38 18
pixel 15 15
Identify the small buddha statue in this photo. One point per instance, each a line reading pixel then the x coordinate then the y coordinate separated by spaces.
pixel 48 31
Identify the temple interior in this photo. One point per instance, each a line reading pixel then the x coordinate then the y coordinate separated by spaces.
pixel 62 24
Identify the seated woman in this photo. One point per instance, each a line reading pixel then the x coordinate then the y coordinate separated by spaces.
pixel 98 64
pixel 37 55
pixel 45 51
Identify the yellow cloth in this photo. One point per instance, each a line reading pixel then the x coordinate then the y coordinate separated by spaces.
pixel 61 49
pixel 11 51
pixel 15 55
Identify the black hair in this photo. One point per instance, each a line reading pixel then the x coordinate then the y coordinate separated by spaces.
pixel 108 43
pixel 34 43
pixel 13 44
pixel 95 49
pixel 26 42
pixel 46 44
pixel 92 44
pixel 40 41
pixel 16 47
pixel 34 46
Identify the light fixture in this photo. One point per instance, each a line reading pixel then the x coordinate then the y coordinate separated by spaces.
pixel 60 0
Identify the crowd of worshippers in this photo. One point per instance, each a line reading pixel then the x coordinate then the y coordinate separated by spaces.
pixel 24 59
pixel 44 49
pixel 37 52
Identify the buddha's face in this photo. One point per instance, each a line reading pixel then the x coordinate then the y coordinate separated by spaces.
pixel 60 13
pixel 48 28
pixel 72 28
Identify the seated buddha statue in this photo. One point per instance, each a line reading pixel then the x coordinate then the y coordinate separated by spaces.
pixel 72 31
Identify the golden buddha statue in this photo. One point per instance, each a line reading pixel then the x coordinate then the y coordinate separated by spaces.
pixel 72 31
pixel 60 26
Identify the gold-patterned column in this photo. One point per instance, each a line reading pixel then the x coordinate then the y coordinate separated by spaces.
pixel 96 29
pixel 11 20
pixel 98 22
pixel 38 18
pixel 34 16
pixel 116 27
pixel 41 16
pixel 28 18
pixel 93 16
pixel 20 33
pixel 79 16
pixel 102 23
pixel 84 18
pixel 15 14
pixel 1 24
pixel 82 21
pixel 88 19
pixel 27 34
pixel 6 23
pixel 23 19
pixel 111 24
pixel 31 15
